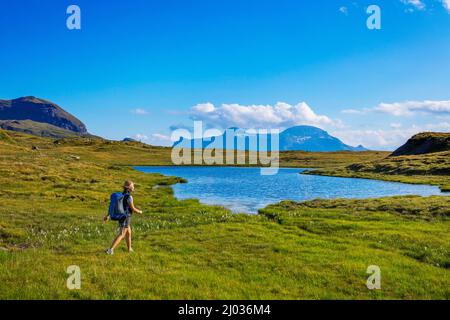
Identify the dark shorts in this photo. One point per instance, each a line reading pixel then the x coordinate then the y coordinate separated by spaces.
pixel 125 222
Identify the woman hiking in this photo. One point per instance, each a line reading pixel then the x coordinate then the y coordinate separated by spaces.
pixel 125 221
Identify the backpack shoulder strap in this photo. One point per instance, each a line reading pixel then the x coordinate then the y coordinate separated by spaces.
pixel 126 206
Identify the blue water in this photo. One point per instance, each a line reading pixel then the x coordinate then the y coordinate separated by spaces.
pixel 245 190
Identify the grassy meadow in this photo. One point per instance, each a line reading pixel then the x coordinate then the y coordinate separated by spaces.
pixel 54 194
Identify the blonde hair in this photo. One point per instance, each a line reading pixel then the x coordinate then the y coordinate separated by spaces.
pixel 127 185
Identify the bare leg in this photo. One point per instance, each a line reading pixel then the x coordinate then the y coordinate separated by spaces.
pixel 119 238
pixel 128 238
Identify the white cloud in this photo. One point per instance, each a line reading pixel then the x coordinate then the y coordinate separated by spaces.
pixel 371 138
pixel 395 125
pixel 409 108
pixel 140 112
pixel 390 139
pixel 353 111
pixel 280 115
pixel 446 4
pixel 343 10
pixel 155 139
pixel 140 137
pixel 203 108
pixel 418 4
pixel 161 137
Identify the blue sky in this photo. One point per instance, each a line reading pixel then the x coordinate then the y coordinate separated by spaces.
pixel 137 68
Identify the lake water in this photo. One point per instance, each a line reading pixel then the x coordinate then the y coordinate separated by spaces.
pixel 245 190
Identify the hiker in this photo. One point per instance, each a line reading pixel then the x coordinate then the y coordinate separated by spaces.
pixel 121 209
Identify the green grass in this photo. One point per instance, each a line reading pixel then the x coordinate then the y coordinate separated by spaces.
pixel 53 200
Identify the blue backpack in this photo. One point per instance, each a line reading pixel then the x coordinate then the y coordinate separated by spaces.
pixel 116 206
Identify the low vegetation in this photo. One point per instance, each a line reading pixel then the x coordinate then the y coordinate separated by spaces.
pixel 432 168
pixel 55 192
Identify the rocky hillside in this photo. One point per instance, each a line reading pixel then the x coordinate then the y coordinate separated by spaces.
pixel 37 111
pixel 423 143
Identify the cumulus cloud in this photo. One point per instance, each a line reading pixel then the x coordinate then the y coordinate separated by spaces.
pixel 140 112
pixel 280 115
pixel 389 139
pixel 409 108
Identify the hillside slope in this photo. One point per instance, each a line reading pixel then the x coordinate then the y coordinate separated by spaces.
pixel 423 143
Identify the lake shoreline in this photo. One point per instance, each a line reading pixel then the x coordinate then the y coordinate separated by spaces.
pixel 218 195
